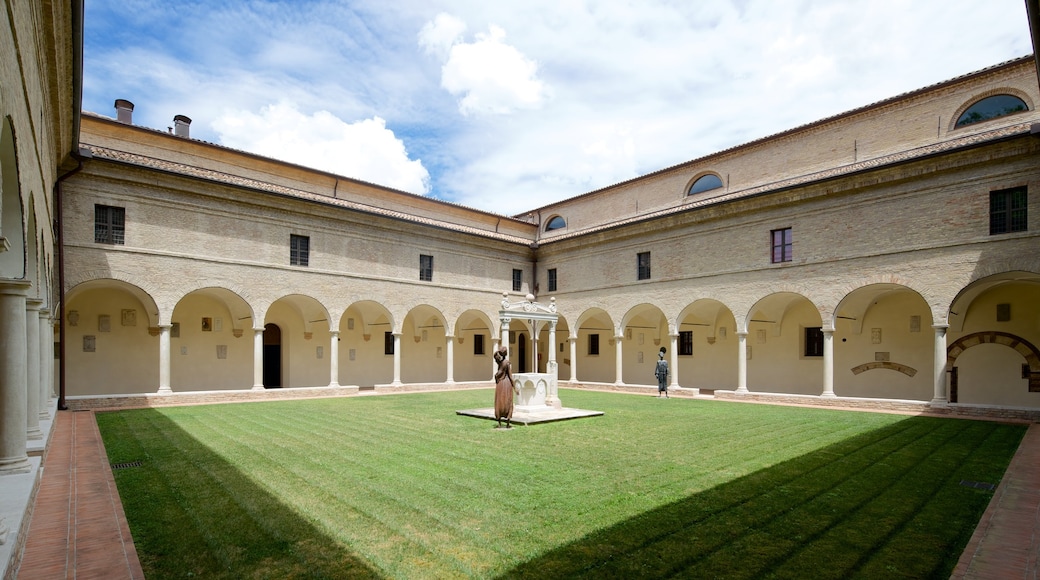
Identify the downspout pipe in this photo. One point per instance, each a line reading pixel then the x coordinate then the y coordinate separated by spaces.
pixel 79 155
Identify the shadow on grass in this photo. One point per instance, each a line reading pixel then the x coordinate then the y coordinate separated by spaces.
pixel 886 504
pixel 192 514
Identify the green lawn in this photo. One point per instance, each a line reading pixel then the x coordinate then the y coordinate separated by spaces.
pixel 401 487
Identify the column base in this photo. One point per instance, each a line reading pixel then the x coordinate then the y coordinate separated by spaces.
pixel 333 385
pixel 164 391
pixel 829 396
pixel 34 434
pixel 939 403
pixel 15 466
pixel 742 391
pixel 257 388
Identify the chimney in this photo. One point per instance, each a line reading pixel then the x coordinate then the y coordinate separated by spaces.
pixel 180 125
pixel 124 111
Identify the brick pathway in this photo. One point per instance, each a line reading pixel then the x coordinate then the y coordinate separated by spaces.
pixel 78 528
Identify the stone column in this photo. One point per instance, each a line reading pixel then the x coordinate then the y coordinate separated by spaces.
pixel 32 368
pixel 334 358
pixel 619 376
pixel 13 458
pixel 940 397
pixel 552 341
pixel 449 345
pixel 534 347
pixel 46 363
pixel 828 363
pixel 574 357
pixel 164 359
pixel 505 333
pixel 397 360
pixel 494 366
pixel 674 358
pixel 742 362
pixel 258 359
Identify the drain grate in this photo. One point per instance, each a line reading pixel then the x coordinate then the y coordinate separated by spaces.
pixel 978 485
pixel 125 465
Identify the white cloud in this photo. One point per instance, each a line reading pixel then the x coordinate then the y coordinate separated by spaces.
pixel 490 75
pixel 364 150
pixel 579 95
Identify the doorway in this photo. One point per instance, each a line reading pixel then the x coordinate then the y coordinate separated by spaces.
pixel 272 356
pixel 521 352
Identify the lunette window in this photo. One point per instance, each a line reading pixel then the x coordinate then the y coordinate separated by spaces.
pixel 1007 211
pixel 643 265
pixel 555 223
pixel 425 268
pixel 991 108
pixel 518 280
pixel 552 279
pixel 705 183
pixel 299 250
pixel 783 245
pixel 109 224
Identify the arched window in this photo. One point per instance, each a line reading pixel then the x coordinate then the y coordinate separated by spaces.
pixel 555 223
pixel 705 183
pixel 991 108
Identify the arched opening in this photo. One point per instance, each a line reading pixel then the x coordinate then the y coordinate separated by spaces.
pixel 521 352
pixel 994 360
pixel 272 356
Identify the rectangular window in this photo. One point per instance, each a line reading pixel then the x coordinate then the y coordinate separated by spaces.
pixel 478 344
pixel 109 224
pixel 685 343
pixel 593 344
pixel 552 279
pixel 518 279
pixel 1007 211
pixel 299 250
pixel 425 268
pixel 388 342
pixel 782 245
pixel 643 261
pixel 814 341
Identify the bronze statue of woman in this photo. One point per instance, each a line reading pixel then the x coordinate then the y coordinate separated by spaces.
pixel 504 389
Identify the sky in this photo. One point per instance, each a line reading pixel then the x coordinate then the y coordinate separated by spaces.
pixel 508 106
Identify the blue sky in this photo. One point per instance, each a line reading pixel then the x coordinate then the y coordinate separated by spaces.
pixel 509 106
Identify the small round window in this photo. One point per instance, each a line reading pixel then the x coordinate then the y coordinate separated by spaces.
pixel 555 223
pixel 705 183
pixel 991 108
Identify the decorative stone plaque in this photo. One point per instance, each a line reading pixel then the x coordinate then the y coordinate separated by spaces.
pixel 221 351
pixel 104 323
pixel 129 317
pixel 89 343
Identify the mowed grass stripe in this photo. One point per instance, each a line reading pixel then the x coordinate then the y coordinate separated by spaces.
pixel 412 531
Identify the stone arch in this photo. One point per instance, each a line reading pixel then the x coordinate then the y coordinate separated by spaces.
pixel 990 93
pixel 12 210
pixel 1020 345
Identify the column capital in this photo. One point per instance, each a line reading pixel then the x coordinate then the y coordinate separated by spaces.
pixel 14 287
pixel 33 304
pixel 939 327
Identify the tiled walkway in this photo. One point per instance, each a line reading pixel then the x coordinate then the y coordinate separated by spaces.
pixel 78 529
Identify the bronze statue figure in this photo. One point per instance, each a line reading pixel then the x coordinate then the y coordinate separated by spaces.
pixel 504 389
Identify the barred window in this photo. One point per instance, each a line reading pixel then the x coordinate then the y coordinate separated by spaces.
pixel 814 341
pixel 518 280
pixel 783 245
pixel 478 344
pixel 425 268
pixel 109 224
pixel 685 342
pixel 643 265
pixel 1007 211
pixel 593 344
pixel 299 250
pixel 552 279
